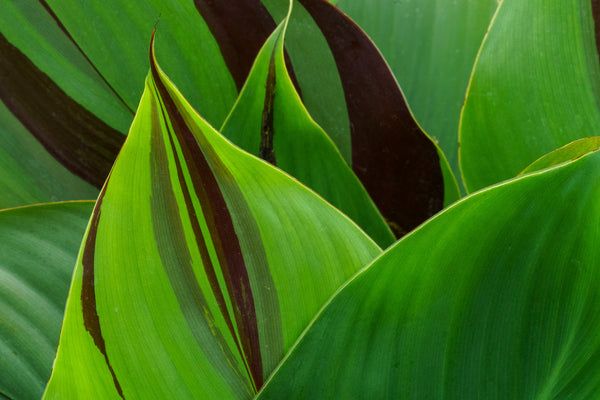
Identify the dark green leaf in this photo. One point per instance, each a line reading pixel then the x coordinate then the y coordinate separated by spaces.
pixel 38 251
pixel 535 87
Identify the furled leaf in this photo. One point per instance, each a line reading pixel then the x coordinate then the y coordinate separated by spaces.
pixel 270 121
pixel 484 301
pixel 38 251
pixel 566 153
pixel 201 266
pixel 398 164
pixel 430 46
pixel 535 87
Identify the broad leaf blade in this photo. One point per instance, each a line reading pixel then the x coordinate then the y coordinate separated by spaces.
pixel 38 251
pixel 270 121
pixel 535 88
pixel 483 301
pixel 213 278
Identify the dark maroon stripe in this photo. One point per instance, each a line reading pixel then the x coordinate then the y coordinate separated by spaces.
pixel 91 320
pixel 66 32
pixel 174 253
pixel 266 150
pixel 240 27
pixel 398 165
pixel 220 225
pixel 203 250
pixel 74 136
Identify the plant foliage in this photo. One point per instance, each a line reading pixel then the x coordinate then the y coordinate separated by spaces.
pixel 266 218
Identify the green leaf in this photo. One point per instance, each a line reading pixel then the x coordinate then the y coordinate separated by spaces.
pixel 270 121
pixel 201 266
pixel 484 301
pixel 38 251
pixel 569 152
pixel 535 87
pixel 431 47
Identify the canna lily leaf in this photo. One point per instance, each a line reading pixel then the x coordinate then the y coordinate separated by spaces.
pixel 569 152
pixel 270 121
pixel 519 109
pixel 431 47
pixel 38 250
pixel 200 259
pixel 505 305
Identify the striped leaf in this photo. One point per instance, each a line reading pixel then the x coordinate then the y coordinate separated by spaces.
pixel 38 251
pixel 431 46
pixel 484 301
pixel 71 76
pixel 200 267
pixel 405 173
pixel 270 121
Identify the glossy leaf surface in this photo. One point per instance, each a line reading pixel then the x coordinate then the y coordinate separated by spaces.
pixel 535 88
pixel 270 121
pixel 200 259
pixel 483 301
pixel 38 252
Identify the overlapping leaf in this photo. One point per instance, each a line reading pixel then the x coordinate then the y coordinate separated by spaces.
pixel 270 121
pixel 484 301
pixel 201 265
pixel 404 172
pixel 358 103
pixel 535 87
pixel 38 251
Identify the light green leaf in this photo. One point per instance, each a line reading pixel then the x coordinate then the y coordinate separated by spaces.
pixel 431 47
pixel 535 87
pixel 569 152
pixel 497 297
pixel 270 121
pixel 38 251
pixel 201 266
